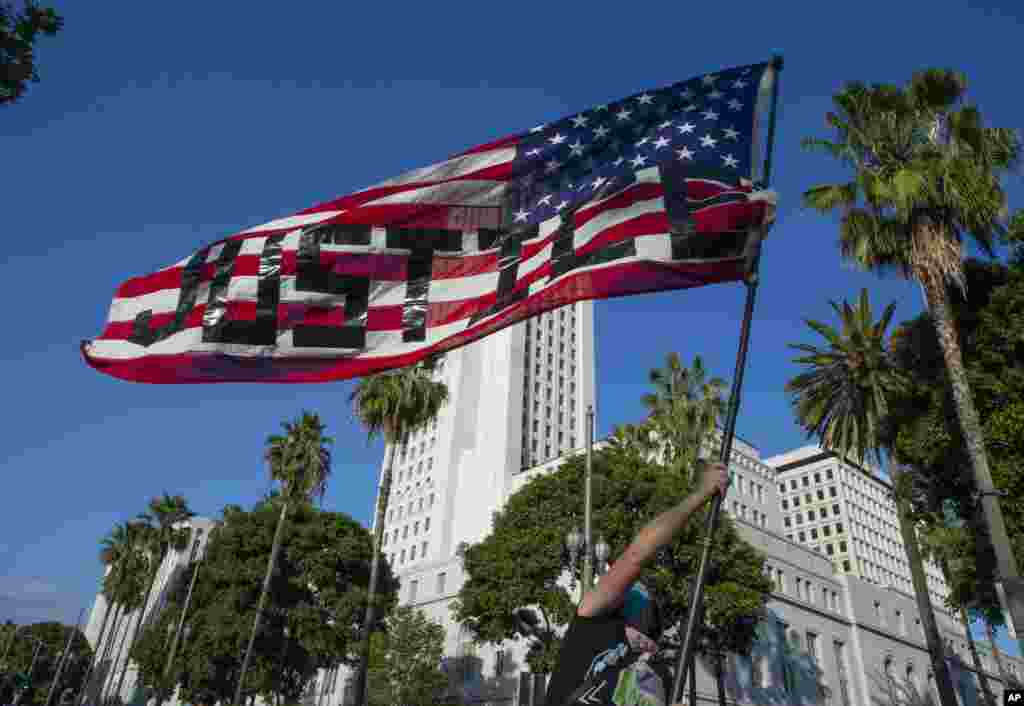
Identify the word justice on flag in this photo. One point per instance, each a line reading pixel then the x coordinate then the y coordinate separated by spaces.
pixel 649 193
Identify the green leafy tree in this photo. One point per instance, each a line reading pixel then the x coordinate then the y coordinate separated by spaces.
pixel 405 661
pixel 19 32
pixel 301 462
pixel 926 176
pixel 521 561
pixel 51 638
pixel 312 611
pixel 391 404
pixel 842 397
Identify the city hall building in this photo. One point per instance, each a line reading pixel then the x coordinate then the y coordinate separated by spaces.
pixel 841 624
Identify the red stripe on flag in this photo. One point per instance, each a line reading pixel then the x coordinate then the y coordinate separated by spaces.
pixel 458 266
pixel 608 282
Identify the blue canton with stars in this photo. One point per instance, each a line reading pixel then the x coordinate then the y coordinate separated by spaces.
pixel 704 124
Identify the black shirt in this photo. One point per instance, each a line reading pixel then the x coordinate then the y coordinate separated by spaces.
pixel 589 642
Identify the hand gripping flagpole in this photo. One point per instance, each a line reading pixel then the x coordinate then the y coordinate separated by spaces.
pixel 697 594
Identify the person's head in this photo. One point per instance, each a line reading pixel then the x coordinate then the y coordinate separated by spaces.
pixel 640 611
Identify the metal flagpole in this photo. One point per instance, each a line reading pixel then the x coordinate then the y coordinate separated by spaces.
pixel 697 595
pixel 588 540
pixel 64 657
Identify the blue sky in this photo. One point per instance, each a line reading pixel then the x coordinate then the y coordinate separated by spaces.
pixel 160 127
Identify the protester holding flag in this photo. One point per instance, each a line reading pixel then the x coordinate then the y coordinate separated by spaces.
pixel 604 655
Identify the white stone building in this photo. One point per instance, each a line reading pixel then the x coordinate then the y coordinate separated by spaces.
pixel 848 514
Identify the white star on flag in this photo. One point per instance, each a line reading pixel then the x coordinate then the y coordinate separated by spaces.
pixel 618 161
pixel 546 200
pixel 562 205
pixel 643 141
pixel 665 125
pixel 600 107
pixel 598 183
pixel 645 99
pixel 638 161
pixel 685 153
pixel 731 134
pixel 690 108
pixel 553 165
pixel 708 141
pixel 739 83
pixel 729 160
pixel 686 127
pixel 710 115
pixel 521 215
pixel 623 114
pixel 710 79
pixel 735 104
pixel 661 142
pixel 576 148
pixel 600 131
pixel 715 94
pixel 539 128
pixel 533 153
pixel 557 139
pixel 579 121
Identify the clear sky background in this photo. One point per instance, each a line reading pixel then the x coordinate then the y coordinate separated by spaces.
pixel 160 127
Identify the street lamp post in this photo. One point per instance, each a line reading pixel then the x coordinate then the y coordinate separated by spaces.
pixel 588 537
pixel 32 667
pixel 574 543
pixel 64 657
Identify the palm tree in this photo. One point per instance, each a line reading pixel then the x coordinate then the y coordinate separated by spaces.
pixel 684 409
pixel 841 397
pixel 108 558
pixel 926 172
pixel 393 404
pixel 301 462
pixel 129 588
pixel 159 539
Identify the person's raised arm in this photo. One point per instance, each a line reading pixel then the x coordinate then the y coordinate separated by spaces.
pixel 613 586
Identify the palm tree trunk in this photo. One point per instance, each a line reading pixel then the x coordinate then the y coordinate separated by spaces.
pixel 970 425
pixel 139 624
pixel 120 649
pixel 95 657
pixel 943 684
pixel 278 535
pixel 103 672
pixel 996 654
pixel 378 534
pixel 978 668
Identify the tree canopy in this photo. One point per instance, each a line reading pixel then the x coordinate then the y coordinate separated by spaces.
pixel 521 561
pixel 405 661
pixel 20 30
pixel 53 637
pixel 312 617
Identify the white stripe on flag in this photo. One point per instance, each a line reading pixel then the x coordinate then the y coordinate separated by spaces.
pixel 296 221
pixel 453 168
pixel 469 192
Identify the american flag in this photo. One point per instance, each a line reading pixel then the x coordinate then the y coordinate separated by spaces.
pixel 649 193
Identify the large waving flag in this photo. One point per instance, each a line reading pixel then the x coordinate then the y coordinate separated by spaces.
pixel 646 194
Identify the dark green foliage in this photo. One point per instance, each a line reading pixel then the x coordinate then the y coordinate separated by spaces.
pixel 19 32
pixel 519 563
pixel 318 592
pixel 54 638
